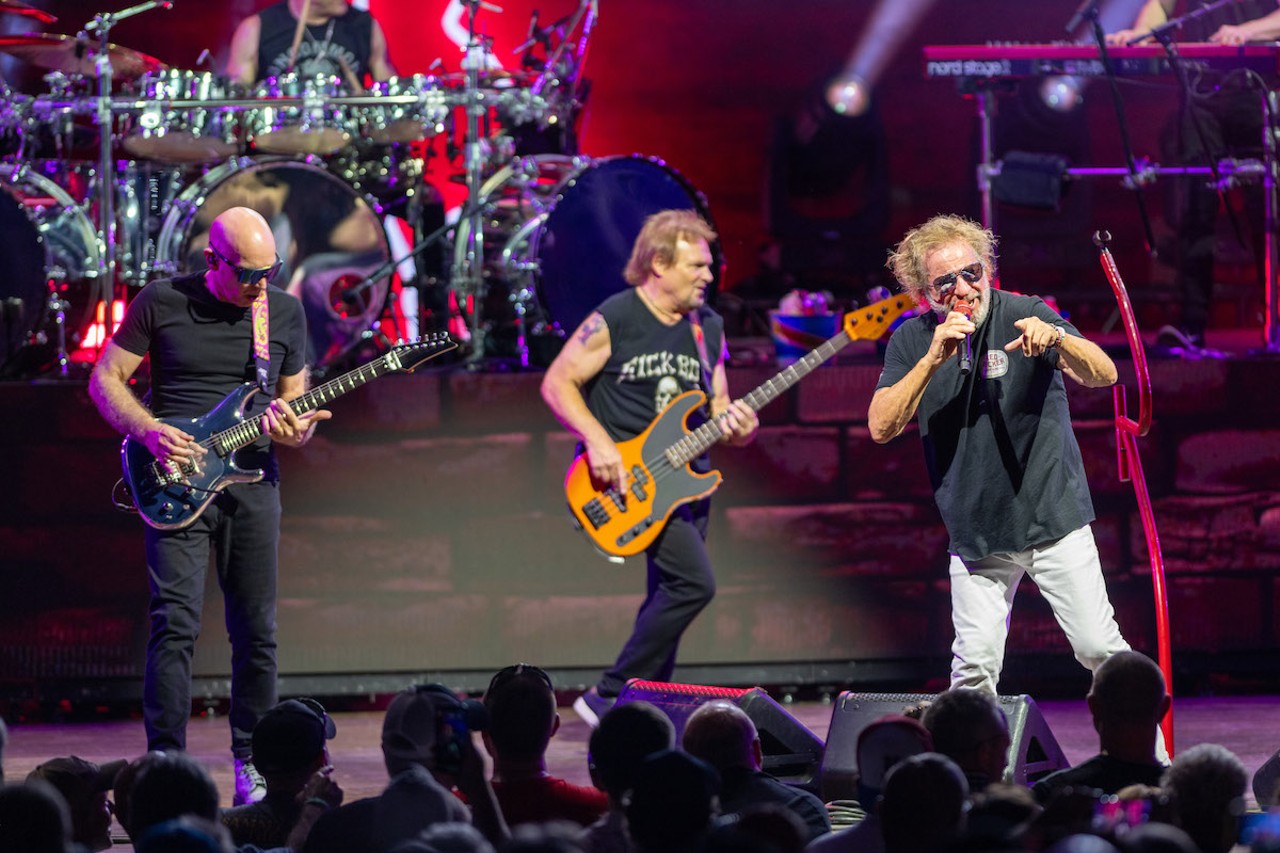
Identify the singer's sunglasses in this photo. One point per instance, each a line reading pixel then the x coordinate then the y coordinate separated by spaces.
pixel 944 284
pixel 248 276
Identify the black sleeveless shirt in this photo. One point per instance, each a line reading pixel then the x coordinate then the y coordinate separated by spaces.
pixel 321 47
pixel 650 364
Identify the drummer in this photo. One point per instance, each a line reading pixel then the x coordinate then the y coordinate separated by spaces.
pixel 337 41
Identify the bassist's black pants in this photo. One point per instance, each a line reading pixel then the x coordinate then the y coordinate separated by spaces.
pixel 242 528
pixel 681 584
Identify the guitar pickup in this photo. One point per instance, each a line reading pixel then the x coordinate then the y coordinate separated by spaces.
pixel 639 480
pixel 596 513
pixel 618 499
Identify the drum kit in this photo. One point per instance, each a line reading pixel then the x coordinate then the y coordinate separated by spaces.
pixel 112 177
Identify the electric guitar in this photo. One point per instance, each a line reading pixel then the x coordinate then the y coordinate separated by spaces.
pixel 659 479
pixel 173 497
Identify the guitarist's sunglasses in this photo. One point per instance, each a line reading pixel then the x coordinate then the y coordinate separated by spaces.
pixel 249 276
pixel 944 284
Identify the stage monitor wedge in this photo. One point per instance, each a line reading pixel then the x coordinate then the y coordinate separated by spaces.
pixel 792 753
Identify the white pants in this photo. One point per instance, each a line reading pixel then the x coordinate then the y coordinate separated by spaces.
pixel 1069 575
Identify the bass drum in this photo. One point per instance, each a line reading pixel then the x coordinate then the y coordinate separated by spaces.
pixel 570 222
pixel 47 244
pixel 327 235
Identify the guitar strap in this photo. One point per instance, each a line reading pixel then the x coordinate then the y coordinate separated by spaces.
pixel 262 341
pixel 700 340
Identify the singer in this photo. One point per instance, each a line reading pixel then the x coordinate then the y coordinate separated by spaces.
pixel 1006 470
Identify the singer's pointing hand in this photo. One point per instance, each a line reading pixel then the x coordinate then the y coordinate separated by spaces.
pixel 1037 336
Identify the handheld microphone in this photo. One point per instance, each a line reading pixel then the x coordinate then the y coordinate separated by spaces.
pixel 966 346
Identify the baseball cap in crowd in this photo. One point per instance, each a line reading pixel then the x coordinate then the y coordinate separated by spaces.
pixel 77 779
pixel 884 743
pixel 291 736
pixel 410 725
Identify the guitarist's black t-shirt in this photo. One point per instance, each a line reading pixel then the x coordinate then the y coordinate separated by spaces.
pixel 650 364
pixel 201 349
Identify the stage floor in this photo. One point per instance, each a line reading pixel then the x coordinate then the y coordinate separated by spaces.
pixel 1243 724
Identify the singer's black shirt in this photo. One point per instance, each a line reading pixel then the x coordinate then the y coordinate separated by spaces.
pixel 1006 470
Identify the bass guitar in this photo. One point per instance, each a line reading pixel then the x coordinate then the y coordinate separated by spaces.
pixel 171 497
pixel 659 479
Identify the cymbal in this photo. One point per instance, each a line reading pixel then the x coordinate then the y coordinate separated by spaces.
pixel 64 53
pixel 13 7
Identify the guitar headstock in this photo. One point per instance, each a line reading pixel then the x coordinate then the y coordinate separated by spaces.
pixel 408 356
pixel 872 321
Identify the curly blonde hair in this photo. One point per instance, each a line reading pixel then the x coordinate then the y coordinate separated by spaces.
pixel 657 241
pixel 907 261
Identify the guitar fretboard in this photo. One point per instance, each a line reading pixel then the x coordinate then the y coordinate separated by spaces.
pixel 704 437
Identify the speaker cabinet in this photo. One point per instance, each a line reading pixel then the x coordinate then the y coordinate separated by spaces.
pixel 791 752
pixel 1033 750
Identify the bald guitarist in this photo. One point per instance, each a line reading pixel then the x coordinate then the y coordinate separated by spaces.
pixel 624 364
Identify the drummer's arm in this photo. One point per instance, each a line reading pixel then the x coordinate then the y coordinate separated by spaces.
pixel 242 64
pixel 380 67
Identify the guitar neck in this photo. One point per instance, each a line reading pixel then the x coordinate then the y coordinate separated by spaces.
pixel 249 431
pixel 701 439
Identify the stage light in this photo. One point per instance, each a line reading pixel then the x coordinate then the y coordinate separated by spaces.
pixel 1062 94
pixel 849 92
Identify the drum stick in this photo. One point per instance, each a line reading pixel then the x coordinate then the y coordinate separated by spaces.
pixel 353 82
pixel 297 33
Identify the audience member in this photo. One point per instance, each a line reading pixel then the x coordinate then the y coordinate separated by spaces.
pixel 1206 786
pixel 721 734
pixel 34 818
pixel 84 786
pixel 1127 701
pixel 968 727
pixel 672 803
pixel 778 827
pixel 554 836
pixel 289 747
pixel 923 806
pixel 186 834
pixel 999 817
pixel 170 785
pixel 881 745
pixel 521 702
pixel 425 756
pixel 446 838
pixel 122 793
pixel 4 738
pixel 627 734
pixel 1155 837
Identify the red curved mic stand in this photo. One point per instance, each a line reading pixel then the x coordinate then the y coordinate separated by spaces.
pixel 1130 467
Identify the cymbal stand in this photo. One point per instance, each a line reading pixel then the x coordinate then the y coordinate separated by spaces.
pixel 468 277
pixel 101 26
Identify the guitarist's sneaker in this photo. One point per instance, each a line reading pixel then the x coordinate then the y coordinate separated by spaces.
pixel 250 786
pixel 591 706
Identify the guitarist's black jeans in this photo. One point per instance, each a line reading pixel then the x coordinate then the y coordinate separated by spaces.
pixel 681 584
pixel 242 527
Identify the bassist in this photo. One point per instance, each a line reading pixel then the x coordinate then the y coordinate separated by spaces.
pixel 199 332
pixel 619 370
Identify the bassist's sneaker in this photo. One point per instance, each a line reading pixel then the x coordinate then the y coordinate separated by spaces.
pixel 250 786
pixel 591 706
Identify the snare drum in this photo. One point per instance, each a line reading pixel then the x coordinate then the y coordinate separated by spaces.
pixel 193 134
pixel 422 117
pixel 327 234
pixel 313 126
